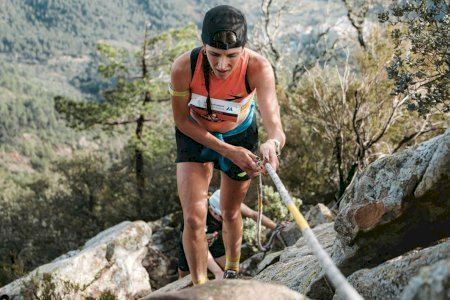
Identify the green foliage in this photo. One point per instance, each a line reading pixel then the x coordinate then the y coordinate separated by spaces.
pixel 107 295
pixel 420 66
pixel 274 206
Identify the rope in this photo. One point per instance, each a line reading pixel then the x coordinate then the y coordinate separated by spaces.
pixel 276 232
pixel 260 209
pixel 338 280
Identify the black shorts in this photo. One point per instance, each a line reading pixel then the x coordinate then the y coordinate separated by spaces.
pixel 217 249
pixel 189 150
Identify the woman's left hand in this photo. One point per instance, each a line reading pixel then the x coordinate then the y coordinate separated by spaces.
pixel 268 152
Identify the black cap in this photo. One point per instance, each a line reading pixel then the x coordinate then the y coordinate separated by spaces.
pixel 224 18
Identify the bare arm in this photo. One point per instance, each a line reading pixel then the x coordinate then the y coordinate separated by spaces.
pixel 180 80
pixel 262 78
pixel 214 267
pixel 250 213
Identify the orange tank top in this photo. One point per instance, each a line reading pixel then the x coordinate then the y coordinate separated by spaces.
pixel 230 101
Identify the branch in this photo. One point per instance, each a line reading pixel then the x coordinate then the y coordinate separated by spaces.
pixel 300 68
pixel 359 141
pixel 357 24
pixel 415 135
pixel 123 122
pixel 265 7
pixel 388 124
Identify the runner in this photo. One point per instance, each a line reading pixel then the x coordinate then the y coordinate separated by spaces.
pixel 216 127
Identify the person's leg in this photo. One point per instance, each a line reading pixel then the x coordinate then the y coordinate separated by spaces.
pixel 193 181
pixel 232 193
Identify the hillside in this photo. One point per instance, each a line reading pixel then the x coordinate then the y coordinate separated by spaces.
pixel 48 48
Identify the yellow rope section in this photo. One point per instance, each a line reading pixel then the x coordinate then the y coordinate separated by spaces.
pixel 298 217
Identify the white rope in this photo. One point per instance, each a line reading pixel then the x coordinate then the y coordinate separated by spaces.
pixel 338 280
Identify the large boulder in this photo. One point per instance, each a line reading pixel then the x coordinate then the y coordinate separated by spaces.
pixel 298 266
pixel 108 264
pixel 398 203
pixel 389 280
pixel 230 289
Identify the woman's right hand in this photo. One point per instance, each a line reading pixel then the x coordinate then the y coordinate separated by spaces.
pixel 244 159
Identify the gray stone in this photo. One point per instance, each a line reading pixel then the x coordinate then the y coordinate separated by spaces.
pixel 319 214
pixel 250 265
pixel 290 234
pixel 176 285
pixel 166 234
pixel 160 268
pixel 268 260
pixel 298 266
pixel 388 280
pixel 432 283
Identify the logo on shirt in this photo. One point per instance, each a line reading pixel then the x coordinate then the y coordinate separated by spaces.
pixel 236 97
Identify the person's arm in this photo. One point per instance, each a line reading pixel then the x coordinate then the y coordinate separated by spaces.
pixel 261 76
pixel 180 81
pixel 250 213
pixel 214 267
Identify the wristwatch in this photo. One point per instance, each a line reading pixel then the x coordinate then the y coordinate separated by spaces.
pixel 277 147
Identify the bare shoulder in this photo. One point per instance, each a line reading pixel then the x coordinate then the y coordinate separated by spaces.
pixel 181 69
pixel 259 70
pixel 257 62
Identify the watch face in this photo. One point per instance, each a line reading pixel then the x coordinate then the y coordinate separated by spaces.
pixel 277 146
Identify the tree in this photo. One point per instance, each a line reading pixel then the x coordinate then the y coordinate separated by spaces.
pixel 346 119
pixel 265 39
pixel 135 91
pixel 356 14
pixel 420 67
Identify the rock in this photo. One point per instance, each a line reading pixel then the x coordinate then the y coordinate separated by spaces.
pixel 176 285
pixel 398 203
pixel 298 266
pixel 268 260
pixel 388 280
pixel 250 265
pixel 162 256
pixel 291 234
pixel 381 217
pixel 166 234
pixel 319 214
pixel 108 264
pixel 160 268
pixel 433 282
pixel 231 289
